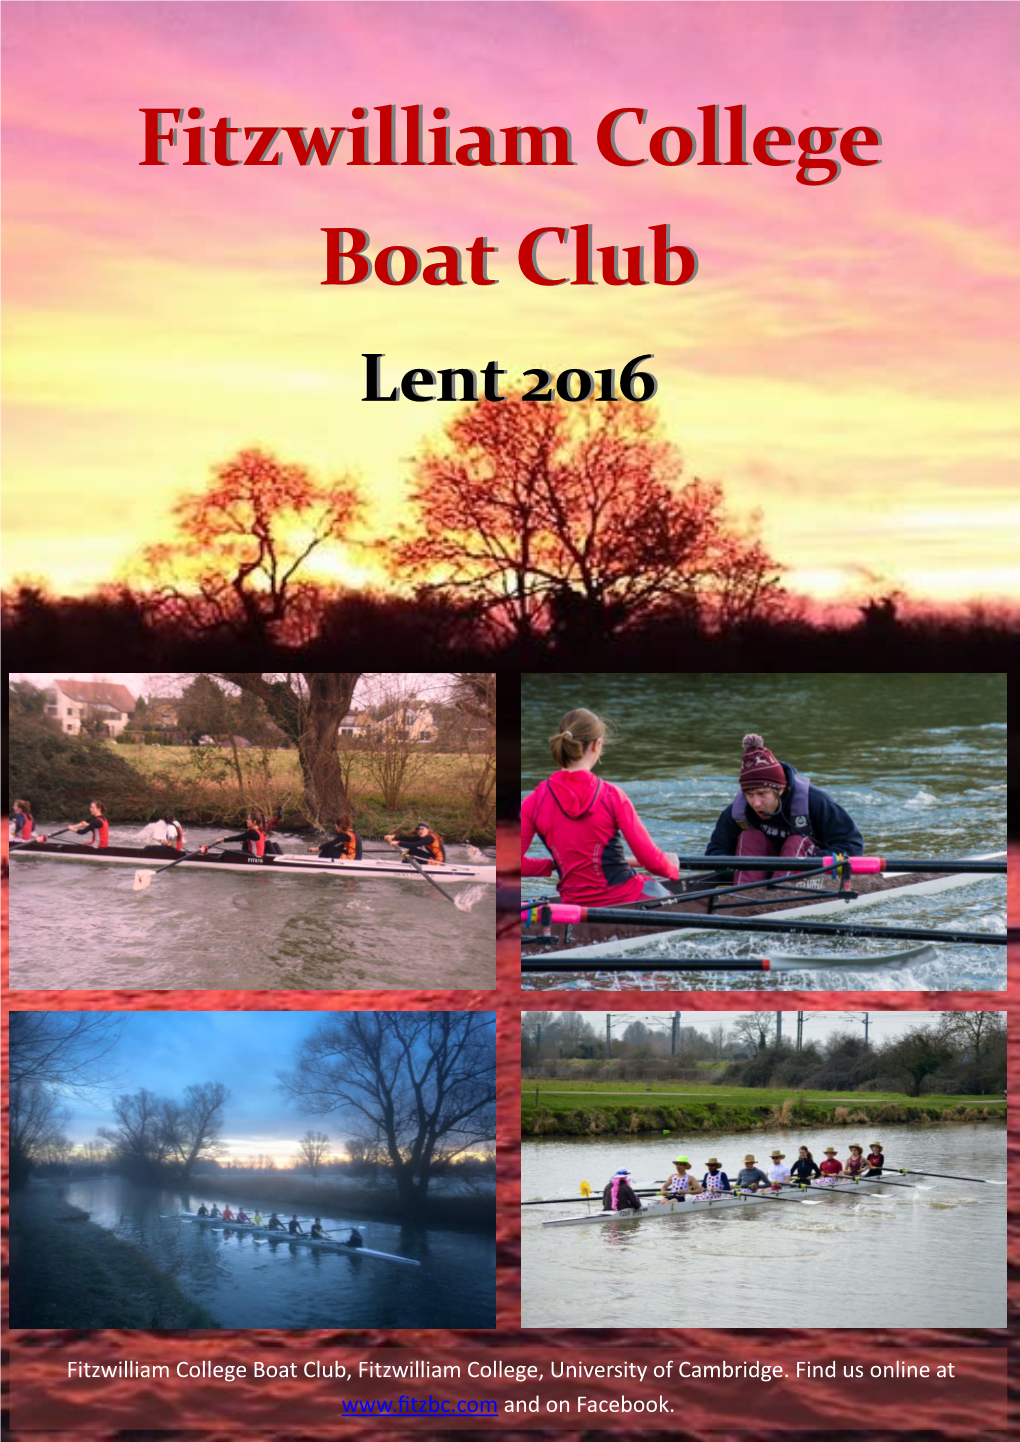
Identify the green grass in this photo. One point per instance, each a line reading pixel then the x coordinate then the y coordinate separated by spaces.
pixel 557 1094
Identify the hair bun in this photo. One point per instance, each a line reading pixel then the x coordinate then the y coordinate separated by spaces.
pixel 752 743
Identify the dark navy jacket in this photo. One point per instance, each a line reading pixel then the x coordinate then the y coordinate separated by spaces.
pixel 830 827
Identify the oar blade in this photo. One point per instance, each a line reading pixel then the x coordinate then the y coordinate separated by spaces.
pixel 142 881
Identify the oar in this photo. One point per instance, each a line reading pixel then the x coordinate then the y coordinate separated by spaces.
pixel 857 864
pixel 562 914
pixel 50 835
pixel 143 879
pixel 725 963
pixel 428 878
pixel 946 1176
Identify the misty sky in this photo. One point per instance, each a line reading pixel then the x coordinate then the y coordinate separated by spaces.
pixel 168 1051
pixel 819 1025
pixel 429 685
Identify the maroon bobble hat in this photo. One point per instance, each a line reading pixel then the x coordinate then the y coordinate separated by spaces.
pixel 759 767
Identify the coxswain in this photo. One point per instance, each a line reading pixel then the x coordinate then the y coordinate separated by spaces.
pixel 424 844
pixel 257 1220
pixel 274 1224
pixel 681 1183
pixel 203 1211
pixel 355 1239
pixel 584 821
pixel 855 1164
pixel 215 1211
pixel 253 839
pixel 345 845
pixel 173 833
pixel 295 1228
pixel 751 1176
pixel 778 812
pixel 242 1216
pixel 805 1168
pixel 22 821
pixel 228 1215
pixel 876 1161
pixel 715 1179
pixel 97 824
pixel 832 1166
pixel 618 1194
pixel 778 1172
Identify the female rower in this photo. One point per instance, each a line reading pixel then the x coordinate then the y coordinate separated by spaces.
pixel 256 1219
pixel 618 1193
pixel 23 822
pixel 855 1165
pixel 425 844
pixel 750 1175
pixel 876 1161
pixel 805 1168
pixel 274 1224
pixel 681 1182
pixel 228 1215
pixel 832 1166
pixel 778 1173
pixel 584 822
pixel 253 839
pixel 173 833
pixel 778 812
pixel 346 844
pixel 715 1180
pixel 97 824
pixel 242 1216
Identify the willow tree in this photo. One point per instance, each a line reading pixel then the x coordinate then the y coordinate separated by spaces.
pixel 308 707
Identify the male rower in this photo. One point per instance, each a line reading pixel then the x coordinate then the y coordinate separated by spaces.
pixel 778 1172
pixel 681 1183
pixel 228 1215
pixel 275 1225
pixel 778 812
pixel 215 1211
pixel 750 1176
pixel 97 823
pixel 345 845
pixel 424 844
pixel 317 1234
pixel 242 1216
pixel 295 1228
pixel 619 1195
pixel 203 1211
pixel 715 1179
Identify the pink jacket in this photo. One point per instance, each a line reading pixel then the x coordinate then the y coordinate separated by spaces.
pixel 580 819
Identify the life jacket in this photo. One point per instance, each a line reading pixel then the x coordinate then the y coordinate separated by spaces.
pixel 104 833
pixel 179 843
pixel 435 848
pixel 352 847
pixel 799 798
pixel 256 848
pixel 25 834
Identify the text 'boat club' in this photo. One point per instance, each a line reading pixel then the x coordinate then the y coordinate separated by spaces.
pixel 773 849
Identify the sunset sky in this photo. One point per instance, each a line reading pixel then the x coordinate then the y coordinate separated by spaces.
pixel 844 359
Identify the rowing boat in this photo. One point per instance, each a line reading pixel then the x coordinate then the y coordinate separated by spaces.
pixel 703 1204
pixel 590 939
pixel 276 1235
pixel 238 861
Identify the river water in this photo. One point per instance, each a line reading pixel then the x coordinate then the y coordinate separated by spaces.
pixel 919 761
pixel 79 926
pixel 247 1281
pixel 933 1255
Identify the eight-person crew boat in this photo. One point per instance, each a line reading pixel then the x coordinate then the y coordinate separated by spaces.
pixel 583 822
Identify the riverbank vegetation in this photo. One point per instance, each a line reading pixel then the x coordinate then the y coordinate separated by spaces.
pixel 67 1272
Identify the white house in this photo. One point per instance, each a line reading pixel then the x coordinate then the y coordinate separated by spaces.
pixel 71 701
pixel 356 724
pixel 411 721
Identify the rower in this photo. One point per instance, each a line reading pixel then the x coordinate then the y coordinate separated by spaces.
pixel 355 1239
pixel 97 824
pixel 750 1175
pixel 424 844
pixel 253 838
pixel 715 1179
pixel 295 1228
pixel 242 1215
pixel 584 821
pixel 855 1165
pixel 274 1224
pixel 23 821
pixel 778 812
pixel 173 833
pixel 832 1166
pixel 618 1193
pixel 805 1168
pixel 203 1211
pixel 681 1183
pixel 256 1220
pixel 228 1215
pixel 317 1234
pixel 778 1173
pixel 876 1161
pixel 346 844
pixel 215 1211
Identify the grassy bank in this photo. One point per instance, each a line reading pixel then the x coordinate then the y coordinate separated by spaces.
pixel 67 1272
pixel 466 1211
pixel 586 1109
